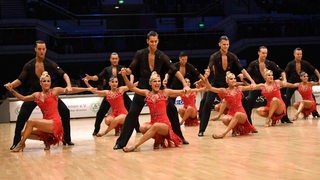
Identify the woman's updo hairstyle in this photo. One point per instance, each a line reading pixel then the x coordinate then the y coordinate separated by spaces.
pixel 229 75
pixel 153 76
pixel 266 72
pixel 44 75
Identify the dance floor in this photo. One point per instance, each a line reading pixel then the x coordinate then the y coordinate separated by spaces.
pixel 285 151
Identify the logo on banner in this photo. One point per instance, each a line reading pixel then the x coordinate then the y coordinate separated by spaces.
pixel 94 107
pixel 17 110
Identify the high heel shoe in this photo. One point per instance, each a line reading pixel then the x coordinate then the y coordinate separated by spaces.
pixel 18 148
pixel 68 143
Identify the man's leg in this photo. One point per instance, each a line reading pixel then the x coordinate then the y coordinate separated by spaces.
pixel 65 118
pixel 206 111
pixel 127 103
pixel 203 99
pixel 24 114
pixel 249 102
pixel 287 99
pixel 130 122
pixel 103 110
pixel 173 116
pixel 315 113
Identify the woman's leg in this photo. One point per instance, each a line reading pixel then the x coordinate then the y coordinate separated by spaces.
pixel 239 117
pixel 40 124
pixel 189 113
pixel 304 104
pixel 157 128
pixel 114 122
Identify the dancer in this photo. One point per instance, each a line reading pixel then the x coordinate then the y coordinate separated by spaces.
pixel 106 74
pixel 220 62
pixel 189 112
pixel 256 70
pixel 307 105
pixel 144 62
pixel 160 127
pixel 29 76
pixel 293 70
pixel 115 99
pixel 49 128
pixel 236 118
pixel 275 108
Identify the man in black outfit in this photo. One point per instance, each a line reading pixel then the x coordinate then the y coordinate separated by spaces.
pixel 29 76
pixel 144 62
pixel 219 63
pixel 256 70
pixel 186 69
pixel 293 70
pixel 106 74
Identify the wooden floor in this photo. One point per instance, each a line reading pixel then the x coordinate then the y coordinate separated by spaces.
pixel 286 151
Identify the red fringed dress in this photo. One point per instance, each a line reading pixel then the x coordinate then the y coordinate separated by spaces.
pixel 306 94
pixel 117 106
pixel 189 101
pixel 158 113
pixel 234 102
pixel 49 109
pixel 275 92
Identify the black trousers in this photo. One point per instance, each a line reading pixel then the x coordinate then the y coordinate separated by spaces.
pixel 206 105
pixel 25 112
pixel 249 101
pixel 132 119
pixel 104 108
pixel 208 102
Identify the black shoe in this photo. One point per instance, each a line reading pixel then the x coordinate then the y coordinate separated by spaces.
pixel 285 119
pixel 200 134
pixel 13 146
pixel 255 131
pixel 68 143
pixel 95 133
pixel 117 146
pixel 185 142
pixel 315 114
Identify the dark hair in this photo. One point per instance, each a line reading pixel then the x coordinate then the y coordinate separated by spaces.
pixel 152 33
pixel 297 49
pixel 223 38
pixel 114 53
pixel 262 47
pixel 183 53
pixel 39 42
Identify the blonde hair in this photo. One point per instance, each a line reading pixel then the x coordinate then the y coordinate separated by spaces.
pixel 153 76
pixel 44 75
pixel 228 75
pixel 267 71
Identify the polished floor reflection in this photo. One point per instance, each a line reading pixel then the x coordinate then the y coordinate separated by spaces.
pixel 286 151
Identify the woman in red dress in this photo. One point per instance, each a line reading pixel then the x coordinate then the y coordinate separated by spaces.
pixel 160 127
pixel 115 99
pixel 189 111
pixel 308 104
pixel 275 108
pixel 48 129
pixel 236 118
